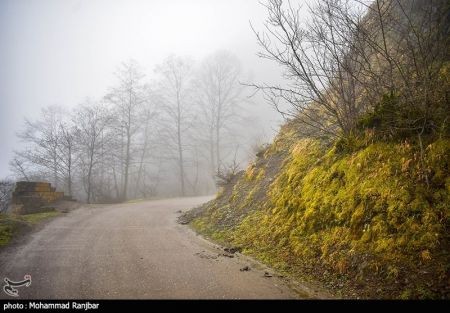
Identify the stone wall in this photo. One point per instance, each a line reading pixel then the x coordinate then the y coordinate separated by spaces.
pixel 34 197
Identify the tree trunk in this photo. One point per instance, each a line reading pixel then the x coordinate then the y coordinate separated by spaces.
pixel 144 150
pixel 218 121
pixel 211 153
pixel 218 161
pixel 69 172
pixel 127 166
pixel 181 162
pixel 180 146
pixel 116 185
pixel 127 152
pixel 89 182
pixel 55 170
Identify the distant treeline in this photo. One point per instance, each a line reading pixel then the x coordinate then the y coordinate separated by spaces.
pixel 165 136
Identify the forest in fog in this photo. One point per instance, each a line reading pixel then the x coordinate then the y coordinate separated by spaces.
pixel 351 194
pixel 163 132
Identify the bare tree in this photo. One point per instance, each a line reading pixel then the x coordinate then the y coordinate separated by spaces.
pixel 350 54
pixel 218 96
pixel 20 167
pixel 49 147
pixel 148 139
pixel 128 99
pixel 318 89
pixel 66 152
pixel 125 146
pixel 176 76
pixel 410 39
pixel 227 172
pixel 91 120
pixel 6 190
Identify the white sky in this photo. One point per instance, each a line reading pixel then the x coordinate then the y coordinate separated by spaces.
pixel 60 51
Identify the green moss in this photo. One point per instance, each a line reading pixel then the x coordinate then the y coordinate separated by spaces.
pixel 250 197
pixel 260 175
pixel 360 212
pixel 38 217
pixel 8 226
pixel 11 224
pixel 250 172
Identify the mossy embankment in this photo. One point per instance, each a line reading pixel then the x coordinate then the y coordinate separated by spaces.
pixel 367 219
pixel 12 225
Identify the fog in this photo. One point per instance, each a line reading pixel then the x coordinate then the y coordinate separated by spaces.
pixel 60 52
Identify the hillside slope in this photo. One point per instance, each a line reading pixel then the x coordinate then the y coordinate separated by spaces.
pixel 361 221
pixel 365 211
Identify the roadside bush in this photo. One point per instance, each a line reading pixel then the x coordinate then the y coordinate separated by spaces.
pixel 226 174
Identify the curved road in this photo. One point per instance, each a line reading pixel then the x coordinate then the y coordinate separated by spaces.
pixel 132 250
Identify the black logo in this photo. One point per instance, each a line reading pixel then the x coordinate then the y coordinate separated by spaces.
pixel 9 288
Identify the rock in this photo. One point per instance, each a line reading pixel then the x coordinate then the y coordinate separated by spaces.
pixel 232 250
pixel 228 255
pixel 267 274
pixel 205 255
pixel 245 269
pixel 181 220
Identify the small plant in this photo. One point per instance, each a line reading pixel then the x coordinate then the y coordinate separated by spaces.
pixel 261 149
pixel 226 174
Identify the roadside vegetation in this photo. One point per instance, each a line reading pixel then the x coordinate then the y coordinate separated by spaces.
pixel 355 190
pixel 363 222
pixel 12 225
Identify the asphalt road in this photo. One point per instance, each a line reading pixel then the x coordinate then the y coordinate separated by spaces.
pixel 132 250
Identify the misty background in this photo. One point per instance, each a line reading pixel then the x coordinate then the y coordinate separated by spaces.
pixel 61 53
